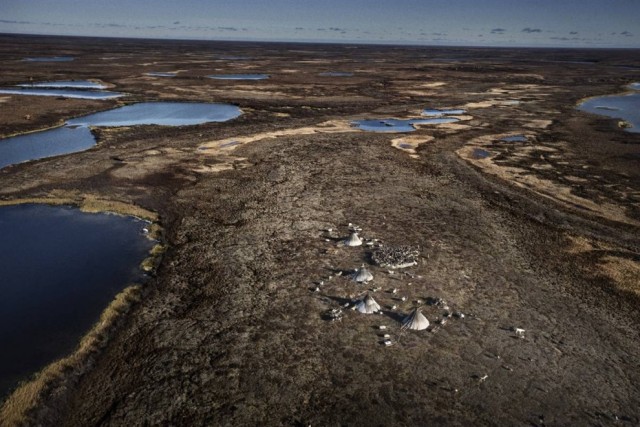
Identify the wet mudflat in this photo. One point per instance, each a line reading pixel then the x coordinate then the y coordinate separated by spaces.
pixel 538 236
pixel 60 269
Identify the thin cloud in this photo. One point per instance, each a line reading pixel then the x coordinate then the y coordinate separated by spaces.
pixel 498 31
pixel 573 33
pixel 626 34
pixel 7 21
pixel 531 30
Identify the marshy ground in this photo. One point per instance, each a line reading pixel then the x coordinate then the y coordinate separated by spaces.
pixel 539 234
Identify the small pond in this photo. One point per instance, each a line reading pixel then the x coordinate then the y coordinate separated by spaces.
pixel 234 58
pixel 437 113
pixel 514 138
pixel 624 107
pixel 76 136
pixel 50 59
pixel 69 84
pixel 161 113
pixel 398 125
pixel 239 76
pixel 479 153
pixel 160 74
pixel 336 74
pixel 65 93
pixel 60 269
pixel 49 143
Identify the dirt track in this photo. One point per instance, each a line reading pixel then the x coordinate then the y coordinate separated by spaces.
pixel 231 332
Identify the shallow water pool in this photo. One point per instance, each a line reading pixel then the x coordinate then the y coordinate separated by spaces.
pixel 161 113
pixel 336 74
pixel 74 84
pixel 239 76
pixel 66 93
pixel 50 59
pixel 160 74
pixel 514 138
pixel 437 113
pixel 398 125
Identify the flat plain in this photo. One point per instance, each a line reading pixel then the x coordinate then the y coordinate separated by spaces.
pixel 232 327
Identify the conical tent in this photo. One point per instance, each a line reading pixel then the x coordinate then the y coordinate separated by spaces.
pixel 368 305
pixel 352 240
pixel 416 321
pixel 362 275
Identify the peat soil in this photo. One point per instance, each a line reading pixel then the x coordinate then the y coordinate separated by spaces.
pixel 232 329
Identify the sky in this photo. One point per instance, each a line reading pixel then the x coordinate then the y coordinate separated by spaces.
pixel 552 23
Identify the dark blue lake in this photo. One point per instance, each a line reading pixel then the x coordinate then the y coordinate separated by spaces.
pixel 60 269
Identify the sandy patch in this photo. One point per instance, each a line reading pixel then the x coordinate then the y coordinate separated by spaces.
pixel 492 103
pixel 623 271
pixel 230 144
pixel 408 144
pixel 538 124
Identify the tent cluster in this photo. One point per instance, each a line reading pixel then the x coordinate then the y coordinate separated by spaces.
pixel 389 257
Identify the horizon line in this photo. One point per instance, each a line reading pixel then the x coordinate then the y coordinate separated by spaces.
pixel 396 43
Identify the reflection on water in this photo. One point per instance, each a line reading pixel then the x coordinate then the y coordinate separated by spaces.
pixel 398 125
pixel 625 107
pixel 239 76
pixel 60 269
